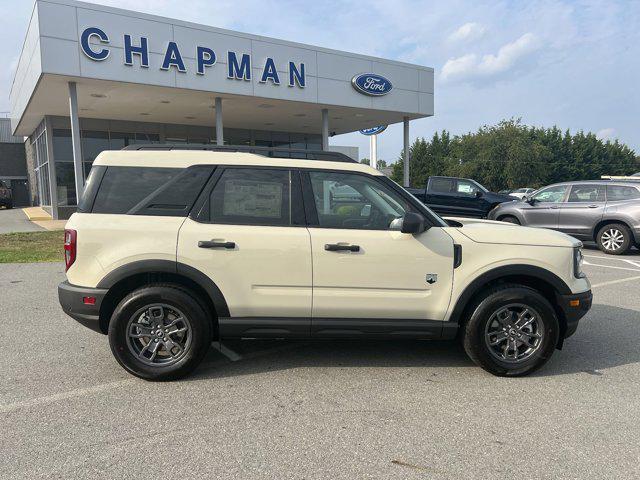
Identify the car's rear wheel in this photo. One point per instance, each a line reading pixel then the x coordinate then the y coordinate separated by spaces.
pixel 512 331
pixel 160 332
pixel 510 219
pixel 614 239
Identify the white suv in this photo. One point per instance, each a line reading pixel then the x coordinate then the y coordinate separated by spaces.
pixel 173 248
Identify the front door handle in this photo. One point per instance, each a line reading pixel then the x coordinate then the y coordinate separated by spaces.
pixel 336 247
pixel 212 244
pixel 592 206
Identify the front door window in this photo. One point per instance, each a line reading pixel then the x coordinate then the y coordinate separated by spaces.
pixel 551 195
pixel 352 201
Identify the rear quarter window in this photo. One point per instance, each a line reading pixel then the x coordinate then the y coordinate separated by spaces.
pixel 622 192
pixel 150 190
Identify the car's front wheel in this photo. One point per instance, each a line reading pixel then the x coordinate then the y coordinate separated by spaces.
pixel 160 332
pixel 512 331
pixel 614 239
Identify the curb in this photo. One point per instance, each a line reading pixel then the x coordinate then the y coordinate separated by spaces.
pixel 36 214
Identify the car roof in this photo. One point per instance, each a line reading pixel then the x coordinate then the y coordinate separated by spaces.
pixel 633 183
pixel 187 158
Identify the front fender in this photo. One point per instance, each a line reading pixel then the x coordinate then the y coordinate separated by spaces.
pixel 504 271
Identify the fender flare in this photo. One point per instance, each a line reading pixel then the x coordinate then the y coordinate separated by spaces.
pixel 167 266
pixel 506 271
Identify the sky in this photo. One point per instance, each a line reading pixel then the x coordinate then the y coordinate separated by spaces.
pixel 574 64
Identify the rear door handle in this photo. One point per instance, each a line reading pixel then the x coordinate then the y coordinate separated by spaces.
pixel 212 244
pixel 592 206
pixel 336 247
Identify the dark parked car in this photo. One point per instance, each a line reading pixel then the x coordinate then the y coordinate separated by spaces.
pixel 6 199
pixel 607 212
pixel 458 197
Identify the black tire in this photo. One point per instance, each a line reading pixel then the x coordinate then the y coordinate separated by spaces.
pixel 510 219
pixel 614 239
pixel 171 299
pixel 475 331
pixel 9 206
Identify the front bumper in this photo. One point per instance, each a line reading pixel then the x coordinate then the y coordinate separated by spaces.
pixel 72 301
pixel 574 307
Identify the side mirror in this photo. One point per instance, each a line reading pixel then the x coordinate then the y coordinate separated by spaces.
pixel 479 194
pixel 530 200
pixel 412 223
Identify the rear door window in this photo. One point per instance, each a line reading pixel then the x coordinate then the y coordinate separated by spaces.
pixel 247 196
pixel 621 192
pixel 586 193
pixel 441 185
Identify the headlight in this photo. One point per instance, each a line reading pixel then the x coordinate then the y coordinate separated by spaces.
pixel 578 260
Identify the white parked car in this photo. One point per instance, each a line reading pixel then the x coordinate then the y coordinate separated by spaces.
pixel 521 192
pixel 171 249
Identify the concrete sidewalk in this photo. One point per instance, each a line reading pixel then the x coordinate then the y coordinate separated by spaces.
pixel 32 219
pixel 15 220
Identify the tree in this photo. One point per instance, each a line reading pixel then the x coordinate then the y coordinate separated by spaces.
pixel 512 155
pixel 381 163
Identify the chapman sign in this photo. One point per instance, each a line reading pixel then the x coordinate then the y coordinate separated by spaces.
pixel 238 65
pixel 371 84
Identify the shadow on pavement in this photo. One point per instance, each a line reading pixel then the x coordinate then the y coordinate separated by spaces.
pixel 607 337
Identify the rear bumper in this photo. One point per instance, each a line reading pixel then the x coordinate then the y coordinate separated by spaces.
pixel 72 301
pixel 574 307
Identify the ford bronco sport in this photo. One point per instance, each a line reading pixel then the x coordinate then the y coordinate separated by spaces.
pixel 172 248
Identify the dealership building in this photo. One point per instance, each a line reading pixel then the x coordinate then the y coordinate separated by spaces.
pixel 93 78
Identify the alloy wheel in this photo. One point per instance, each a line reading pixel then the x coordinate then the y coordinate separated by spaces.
pixel 612 239
pixel 159 335
pixel 514 333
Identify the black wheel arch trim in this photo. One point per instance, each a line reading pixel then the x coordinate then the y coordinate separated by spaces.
pixel 502 272
pixel 168 266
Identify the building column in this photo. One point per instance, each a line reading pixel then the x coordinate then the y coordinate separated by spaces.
pixel 219 129
pixel 407 155
pixel 325 129
pixel 75 140
pixel 373 149
pixel 53 182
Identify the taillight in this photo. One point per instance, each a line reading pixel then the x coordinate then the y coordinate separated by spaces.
pixel 70 248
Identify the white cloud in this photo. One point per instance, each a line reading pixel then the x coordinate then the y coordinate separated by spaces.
pixel 468 31
pixel 606 133
pixel 470 66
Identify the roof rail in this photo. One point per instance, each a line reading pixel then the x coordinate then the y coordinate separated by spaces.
pixel 275 152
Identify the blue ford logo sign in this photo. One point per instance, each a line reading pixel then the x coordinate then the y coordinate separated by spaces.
pixel 373 130
pixel 371 84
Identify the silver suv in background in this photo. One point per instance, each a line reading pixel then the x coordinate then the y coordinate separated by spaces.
pixel 606 212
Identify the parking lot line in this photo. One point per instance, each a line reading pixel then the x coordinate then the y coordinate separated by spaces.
pixel 613 282
pixel 226 351
pixel 611 266
pixel 78 392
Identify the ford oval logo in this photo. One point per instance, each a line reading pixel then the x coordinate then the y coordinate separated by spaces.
pixel 371 84
pixel 373 130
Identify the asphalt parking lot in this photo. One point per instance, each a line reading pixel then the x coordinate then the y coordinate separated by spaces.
pixel 310 410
